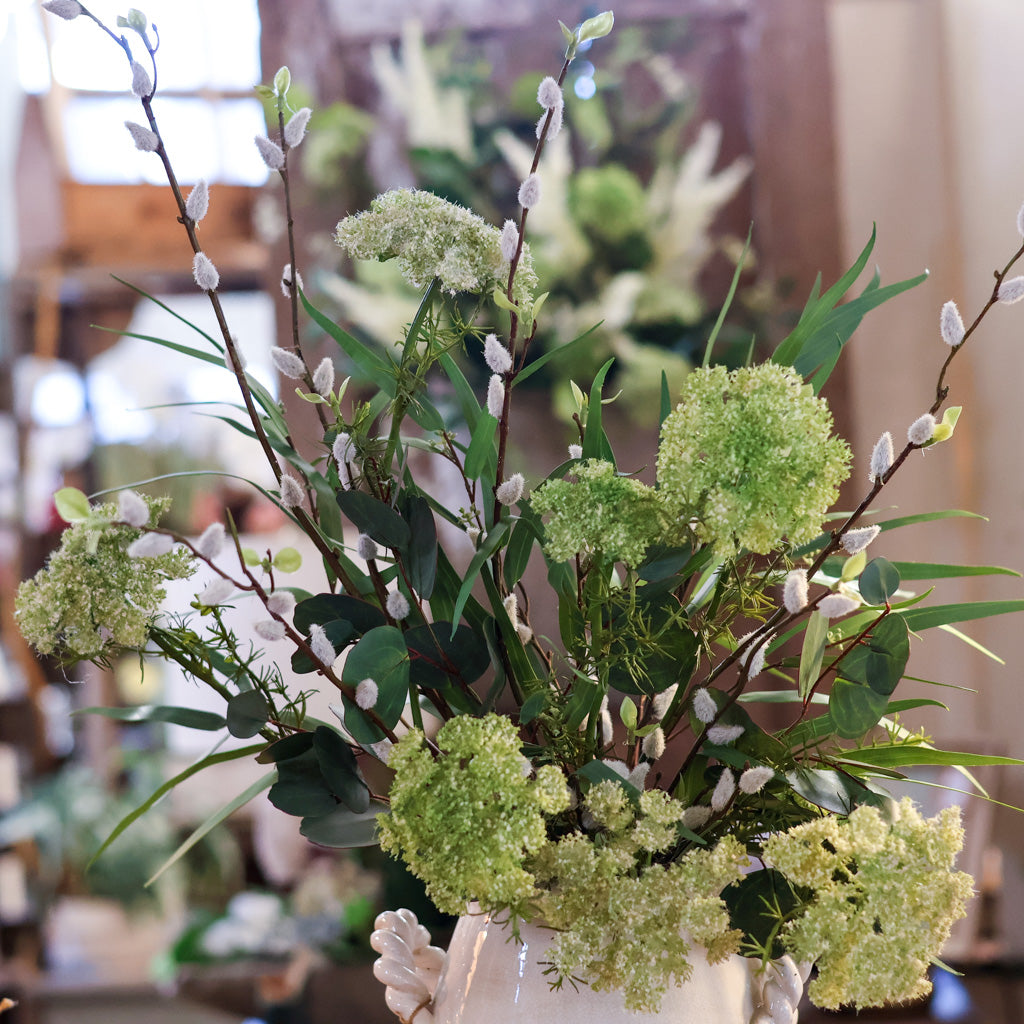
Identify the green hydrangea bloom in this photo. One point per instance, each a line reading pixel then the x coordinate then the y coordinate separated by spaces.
pixel 92 598
pixel 601 511
pixel 885 898
pixel 431 237
pixel 465 821
pixel 750 456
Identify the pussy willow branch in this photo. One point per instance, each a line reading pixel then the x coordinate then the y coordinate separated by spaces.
pixel 513 333
pixel 781 617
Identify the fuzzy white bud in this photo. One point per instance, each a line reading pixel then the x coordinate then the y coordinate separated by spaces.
pixel 397 605
pixel 341 447
pixel 291 491
pixel 141 84
pixel 524 633
pixel 575 451
pixel 288 281
pixel 366 547
pixel 366 694
pixel 322 648
pixel 144 139
pixel 951 324
pixel 638 774
pixel 722 735
pixel 496 396
pixel 755 660
pixel 150 545
pixel 554 125
pixel 239 355
pixel 198 202
pixel 211 540
pixel 269 629
pixel 509 241
pixel 921 430
pixel 381 750
pixel 881 457
pixel 1020 220
pixel 529 192
pixel 473 533
pixel 281 602
pixel 1011 291
pixel 835 606
pixel 132 509
pixel 606 731
pixel 704 706
pixel 549 93
pixel 794 591
pixel 271 152
pixel 723 792
pixel 295 129
pixel 755 779
pixel 66 9
pixel 205 272
pixel 662 701
pixel 654 744
pixel 858 539
pixel 496 355
pixel 288 364
pixel 323 378
pixel 217 592
pixel 509 492
pixel 511 605
pixel 694 817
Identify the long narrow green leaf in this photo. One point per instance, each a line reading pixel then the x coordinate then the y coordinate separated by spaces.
pixel 481 455
pixel 595 443
pixel 971 642
pixel 813 652
pixel 907 754
pixel 553 353
pixel 168 309
pixel 265 782
pixel 928 517
pixel 491 542
pixel 940 571
pixel 375 368
pixel 190 718
pixel 967 611
pixel 817 309
pixel 730 295
pixel 468 404
pixel 159 793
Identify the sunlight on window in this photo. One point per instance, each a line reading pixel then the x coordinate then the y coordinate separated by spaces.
pixel 204 47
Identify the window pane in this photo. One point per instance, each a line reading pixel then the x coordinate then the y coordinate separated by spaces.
pixel 203 44
pixel 204 140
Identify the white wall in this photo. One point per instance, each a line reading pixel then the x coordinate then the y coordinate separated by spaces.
pixel 927 100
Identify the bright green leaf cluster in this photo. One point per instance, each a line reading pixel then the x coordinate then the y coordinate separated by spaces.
pixel 750 455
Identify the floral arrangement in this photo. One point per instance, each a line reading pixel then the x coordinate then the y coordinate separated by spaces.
pixel 604 771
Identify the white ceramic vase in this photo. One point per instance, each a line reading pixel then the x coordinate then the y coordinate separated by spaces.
pixel 488 978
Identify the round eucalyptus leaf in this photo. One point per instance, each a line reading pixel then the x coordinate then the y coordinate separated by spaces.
pixel 855 708
pixel 247 713
pixel 342 828
pixel 879 581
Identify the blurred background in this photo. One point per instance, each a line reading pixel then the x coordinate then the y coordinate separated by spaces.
pixel 813 120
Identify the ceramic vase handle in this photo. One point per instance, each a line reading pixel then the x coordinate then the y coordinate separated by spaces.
pixel 409 966
pixel 776 990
